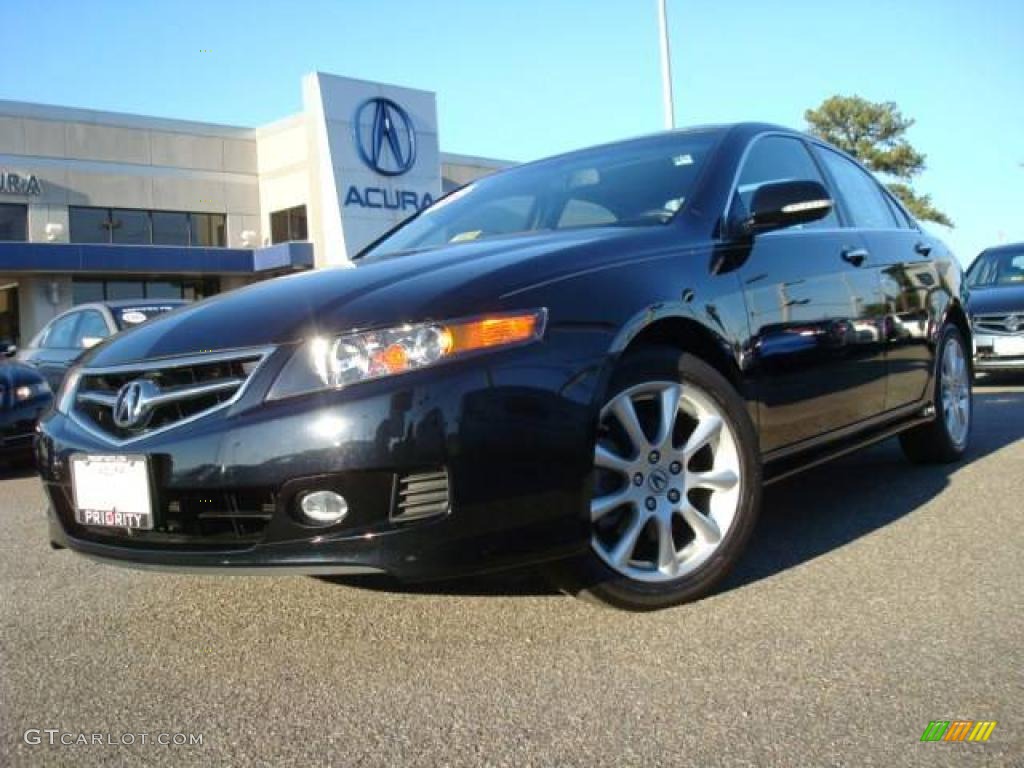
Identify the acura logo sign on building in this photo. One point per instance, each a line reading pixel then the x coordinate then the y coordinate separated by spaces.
pixel 389 146
pixel 385 139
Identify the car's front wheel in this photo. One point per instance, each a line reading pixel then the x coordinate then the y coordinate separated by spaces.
pixel 676 485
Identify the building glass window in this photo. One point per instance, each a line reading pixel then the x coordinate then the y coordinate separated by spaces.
pixel 13 222
pixel 289 224
pixel 134 227
pixel 130 227
pixel 208 229
pixel 170 228
pixel 85 290
pixel 125 289
pixel 89 225
pixel 163 290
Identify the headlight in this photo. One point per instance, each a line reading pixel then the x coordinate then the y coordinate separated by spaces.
pixel 28 391
pixel 66 393
pixel 333 363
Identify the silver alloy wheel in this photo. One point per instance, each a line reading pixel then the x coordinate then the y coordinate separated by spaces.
pixel 956 392
pixel 667 481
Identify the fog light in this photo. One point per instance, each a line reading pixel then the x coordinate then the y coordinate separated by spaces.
pixel 324 507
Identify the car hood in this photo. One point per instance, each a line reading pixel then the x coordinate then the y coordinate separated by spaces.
pixel 14 374
pixel 447 282
pixel 997 301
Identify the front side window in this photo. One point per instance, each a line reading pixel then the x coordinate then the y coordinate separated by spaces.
pixel 864 199
pixel 61 333
pixel 773 159
pixel 643 183
pixel 992 270
pixel 13 222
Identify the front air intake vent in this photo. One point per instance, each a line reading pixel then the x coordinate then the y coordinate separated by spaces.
pixel 421 495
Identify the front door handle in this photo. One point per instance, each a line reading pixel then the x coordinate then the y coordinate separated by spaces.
pixel 922 249
pixel 855 256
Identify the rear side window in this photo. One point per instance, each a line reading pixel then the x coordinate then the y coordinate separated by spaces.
pixel 92 326
pixel 864 199
pixel 772 159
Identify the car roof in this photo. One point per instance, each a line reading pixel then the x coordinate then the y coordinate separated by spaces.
pixel 128 303
pixel 743 129
pixel 1007 248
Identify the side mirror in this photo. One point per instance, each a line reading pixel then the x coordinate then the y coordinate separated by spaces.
pixel 8 348
pixel 88 342
pixel 785 203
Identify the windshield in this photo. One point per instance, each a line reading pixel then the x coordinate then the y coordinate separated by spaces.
pixel 126 317
pixel 637 183
pixel 995 269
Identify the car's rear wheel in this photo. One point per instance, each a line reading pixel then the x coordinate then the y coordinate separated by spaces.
pixel 676 485
pixel 945 439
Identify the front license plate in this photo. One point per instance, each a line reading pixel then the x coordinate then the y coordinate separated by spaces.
pixel 112 491
pixel 1009 346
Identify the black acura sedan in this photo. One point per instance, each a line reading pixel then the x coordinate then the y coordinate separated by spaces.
pixel 592 362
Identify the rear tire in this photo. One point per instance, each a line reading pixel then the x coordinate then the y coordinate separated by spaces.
pixel 677 485
pixel 945 439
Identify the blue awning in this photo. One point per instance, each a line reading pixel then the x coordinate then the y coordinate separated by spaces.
pixel 152 259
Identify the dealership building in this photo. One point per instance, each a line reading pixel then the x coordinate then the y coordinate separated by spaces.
pixel 101 206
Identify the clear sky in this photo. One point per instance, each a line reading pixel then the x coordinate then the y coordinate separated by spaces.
pixel 520 79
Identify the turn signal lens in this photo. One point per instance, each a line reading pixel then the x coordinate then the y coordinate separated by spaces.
pixel 493 332
pixel 332 363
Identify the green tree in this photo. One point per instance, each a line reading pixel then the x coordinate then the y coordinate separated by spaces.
pixel 875 133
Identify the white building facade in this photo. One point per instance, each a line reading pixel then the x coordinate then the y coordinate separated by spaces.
pixel 100 206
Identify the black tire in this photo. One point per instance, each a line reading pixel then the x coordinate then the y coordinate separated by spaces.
pixel 590 578
pixel 932 443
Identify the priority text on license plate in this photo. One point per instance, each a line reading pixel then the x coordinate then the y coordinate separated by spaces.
pixel 111 490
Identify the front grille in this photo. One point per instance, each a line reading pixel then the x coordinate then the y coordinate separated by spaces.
pixel 174 390
pixel 421 495
pixel 197 519
pixel 1007 324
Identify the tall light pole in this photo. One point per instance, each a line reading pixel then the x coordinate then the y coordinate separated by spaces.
pixel 666 67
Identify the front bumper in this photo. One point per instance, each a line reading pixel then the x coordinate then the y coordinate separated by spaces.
pixel 511 431
pixel 998 352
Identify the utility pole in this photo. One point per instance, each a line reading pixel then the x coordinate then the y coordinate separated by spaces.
pixel 666 67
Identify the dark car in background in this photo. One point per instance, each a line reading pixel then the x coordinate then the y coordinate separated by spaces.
pixel 996 282
pixel 592 362
pixel 24 396
pixel 65 338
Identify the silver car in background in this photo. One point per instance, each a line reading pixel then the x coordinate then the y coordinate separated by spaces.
pixel 996 283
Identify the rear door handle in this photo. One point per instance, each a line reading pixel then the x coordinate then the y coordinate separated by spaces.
pixel 922 249
pixel 855 256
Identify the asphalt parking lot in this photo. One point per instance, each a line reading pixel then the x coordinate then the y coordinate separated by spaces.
pixel 876 597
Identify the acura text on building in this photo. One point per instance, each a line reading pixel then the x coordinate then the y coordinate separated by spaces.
pixel 18 184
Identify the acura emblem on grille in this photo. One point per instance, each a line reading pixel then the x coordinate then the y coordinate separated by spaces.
pixel 133 403
pixel 1012 323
